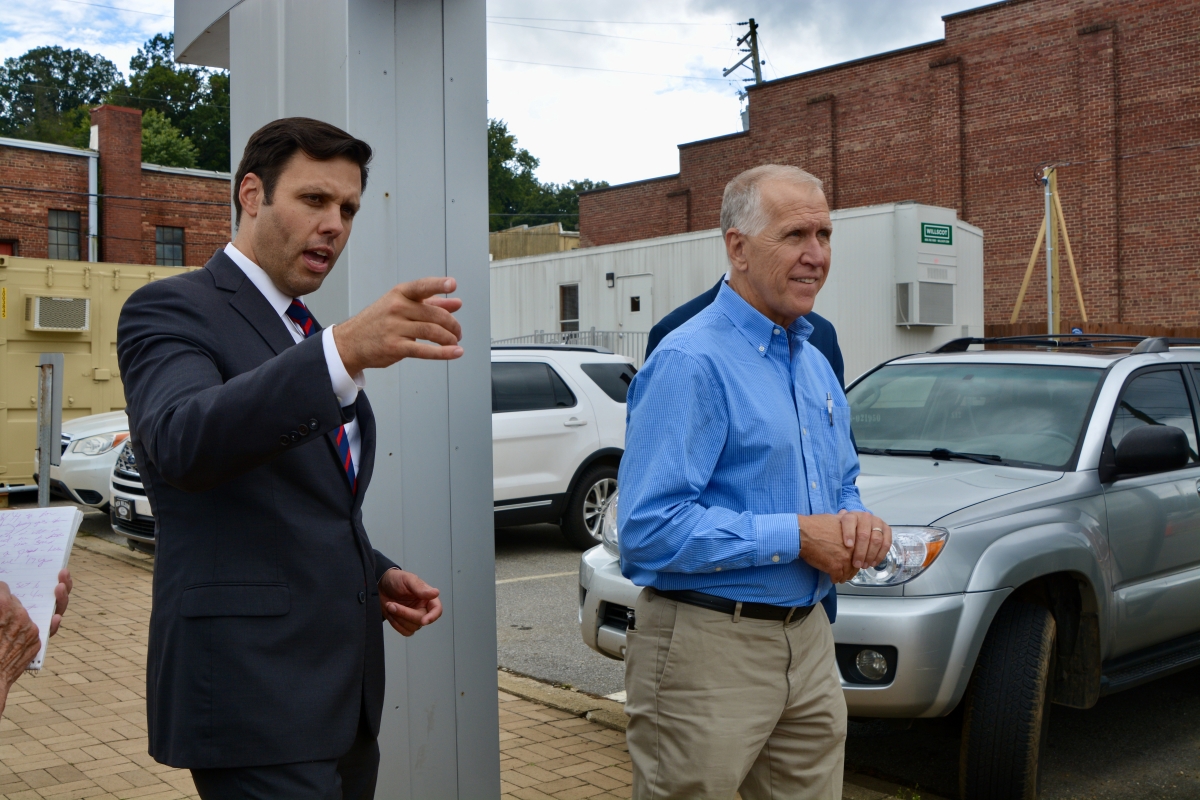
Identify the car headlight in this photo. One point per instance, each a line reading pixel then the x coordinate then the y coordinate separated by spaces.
pixel 608 524
pixel 913 550
pixel 96 445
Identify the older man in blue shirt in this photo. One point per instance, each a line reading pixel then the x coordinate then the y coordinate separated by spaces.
pixel 738 511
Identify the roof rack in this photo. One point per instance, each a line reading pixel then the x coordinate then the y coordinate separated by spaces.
pixel 1140 344
pixel 572 348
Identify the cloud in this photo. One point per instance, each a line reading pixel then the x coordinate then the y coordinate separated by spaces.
pixel 607 89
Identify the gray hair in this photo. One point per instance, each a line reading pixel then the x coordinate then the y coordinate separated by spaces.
pixel 741 206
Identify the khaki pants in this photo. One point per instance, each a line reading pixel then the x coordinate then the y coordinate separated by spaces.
pixel 717 707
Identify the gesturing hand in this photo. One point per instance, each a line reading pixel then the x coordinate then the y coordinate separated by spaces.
pixel 408 602
pixel 388 329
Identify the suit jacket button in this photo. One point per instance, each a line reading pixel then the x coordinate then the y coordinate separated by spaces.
pixel 295 436
pixel 362 597
pixel 285 440
pixel 312 424
pixel 304 430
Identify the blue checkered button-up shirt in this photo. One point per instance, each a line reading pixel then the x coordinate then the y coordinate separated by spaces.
pixel 730 435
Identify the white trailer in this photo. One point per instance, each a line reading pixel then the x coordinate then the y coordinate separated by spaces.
pixel 904 278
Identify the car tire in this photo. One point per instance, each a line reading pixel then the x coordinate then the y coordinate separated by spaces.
pixel 1007 706
pixel 581 523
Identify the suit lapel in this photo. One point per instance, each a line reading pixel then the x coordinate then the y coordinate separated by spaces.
pixel 248 301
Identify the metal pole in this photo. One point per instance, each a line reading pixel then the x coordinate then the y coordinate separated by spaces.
pixel 754 51
pixel 45 429
pixel 1051 323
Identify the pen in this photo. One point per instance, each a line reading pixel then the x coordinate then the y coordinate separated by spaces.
pixel 829 406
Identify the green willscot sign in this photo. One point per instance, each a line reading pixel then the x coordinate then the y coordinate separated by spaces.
pixel 932 233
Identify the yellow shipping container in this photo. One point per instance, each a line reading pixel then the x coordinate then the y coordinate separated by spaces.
pixel 68 307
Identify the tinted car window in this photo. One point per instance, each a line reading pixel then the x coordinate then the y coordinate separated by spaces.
pixel 612 378
pixel 528 386
pixel 1155 398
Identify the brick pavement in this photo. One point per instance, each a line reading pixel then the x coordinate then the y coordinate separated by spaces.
pixel 78 729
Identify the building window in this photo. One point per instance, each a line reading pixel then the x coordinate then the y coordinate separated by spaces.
pixel 568 307
pixel 64 235
pixel 168 246
pixel 8 247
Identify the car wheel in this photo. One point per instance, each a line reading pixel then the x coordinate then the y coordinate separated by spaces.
pixel 581 524
pixel 1008 706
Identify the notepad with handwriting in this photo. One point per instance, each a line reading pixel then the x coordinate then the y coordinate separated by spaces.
pixel 35 545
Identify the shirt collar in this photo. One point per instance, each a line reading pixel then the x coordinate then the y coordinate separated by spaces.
pixel 757 329
pixel 261 280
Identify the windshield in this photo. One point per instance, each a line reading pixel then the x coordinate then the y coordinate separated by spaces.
pixel 1024 415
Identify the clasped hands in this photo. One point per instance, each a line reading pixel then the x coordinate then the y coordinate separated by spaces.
pixel 841 544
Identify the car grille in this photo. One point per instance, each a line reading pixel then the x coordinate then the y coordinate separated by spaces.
pixel 127 464
pixel 128 488
pixel 138 526
pixel 615 616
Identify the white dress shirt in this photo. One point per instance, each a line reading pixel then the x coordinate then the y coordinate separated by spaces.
pixel 345 386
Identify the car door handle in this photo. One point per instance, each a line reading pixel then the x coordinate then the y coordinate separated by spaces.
pixel 575 422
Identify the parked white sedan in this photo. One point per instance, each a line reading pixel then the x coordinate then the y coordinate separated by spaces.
pixel 558 433
pixel 89 449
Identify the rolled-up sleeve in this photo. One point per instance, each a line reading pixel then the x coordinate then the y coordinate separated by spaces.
pixel 676 429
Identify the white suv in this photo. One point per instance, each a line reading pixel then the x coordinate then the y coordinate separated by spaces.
pixel 558 433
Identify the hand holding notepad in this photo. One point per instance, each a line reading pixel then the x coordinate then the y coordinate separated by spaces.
pixel 35 545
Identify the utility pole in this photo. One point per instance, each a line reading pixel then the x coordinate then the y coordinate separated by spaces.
pixel 751 53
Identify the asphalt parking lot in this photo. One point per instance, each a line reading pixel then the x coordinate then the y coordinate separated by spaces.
pixel 1137 745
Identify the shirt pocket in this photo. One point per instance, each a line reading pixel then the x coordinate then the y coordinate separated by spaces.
pixel 838 449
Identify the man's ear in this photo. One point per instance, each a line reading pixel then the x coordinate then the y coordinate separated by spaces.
pixel 251 194
pixel 735 249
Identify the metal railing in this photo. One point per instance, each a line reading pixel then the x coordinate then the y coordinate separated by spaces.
pixel 625 343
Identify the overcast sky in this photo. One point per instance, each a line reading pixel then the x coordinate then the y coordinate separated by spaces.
pixel 616 84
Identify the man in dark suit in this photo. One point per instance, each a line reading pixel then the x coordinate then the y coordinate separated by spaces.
pixel 823 337
pixel 265 670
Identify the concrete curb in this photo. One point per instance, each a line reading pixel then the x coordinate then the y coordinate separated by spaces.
pixel 611 714
pixel 94 544
pixel 599 710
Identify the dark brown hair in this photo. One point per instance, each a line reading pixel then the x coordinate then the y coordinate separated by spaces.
pixel 272 145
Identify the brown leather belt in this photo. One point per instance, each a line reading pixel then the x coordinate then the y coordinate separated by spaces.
pixel 737 609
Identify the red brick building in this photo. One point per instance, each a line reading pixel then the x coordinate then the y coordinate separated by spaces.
pixel 144 213
pixel 1108 89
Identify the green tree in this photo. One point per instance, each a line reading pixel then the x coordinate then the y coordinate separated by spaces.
pixel 195 100
pixel 516 197
pixel 45 94
pixel 163 143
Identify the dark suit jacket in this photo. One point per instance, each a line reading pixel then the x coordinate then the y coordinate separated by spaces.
pixel 266 632
pixel 823 337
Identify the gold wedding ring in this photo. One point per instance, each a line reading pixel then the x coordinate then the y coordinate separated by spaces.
pixel 877 529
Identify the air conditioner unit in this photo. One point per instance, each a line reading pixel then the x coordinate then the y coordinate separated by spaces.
pixel 926 265
pixel 56 314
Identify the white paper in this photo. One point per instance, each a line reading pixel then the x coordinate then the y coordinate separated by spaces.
pixel 35 544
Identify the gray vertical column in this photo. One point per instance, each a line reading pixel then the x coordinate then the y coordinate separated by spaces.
pixel 408 76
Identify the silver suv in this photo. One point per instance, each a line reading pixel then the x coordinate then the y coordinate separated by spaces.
pixel 1045 498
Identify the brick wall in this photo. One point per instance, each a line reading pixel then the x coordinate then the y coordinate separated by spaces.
pixel 38 177
pixel 133 202
pixel 966 122
pixel 198 205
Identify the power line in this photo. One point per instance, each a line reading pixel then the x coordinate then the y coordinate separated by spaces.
pixel 117 8
pixel 614 22
pixel 612 36
pixel 602 69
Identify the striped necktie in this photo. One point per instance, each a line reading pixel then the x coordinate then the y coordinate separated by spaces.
pixel 300 315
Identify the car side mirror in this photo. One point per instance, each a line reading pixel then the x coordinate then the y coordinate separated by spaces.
pixel 1150 449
